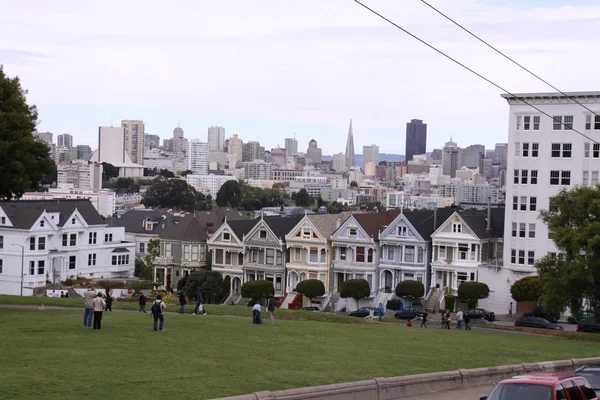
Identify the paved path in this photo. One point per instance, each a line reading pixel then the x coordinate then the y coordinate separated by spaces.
pixel 465 394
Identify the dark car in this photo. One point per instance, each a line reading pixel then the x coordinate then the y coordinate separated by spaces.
pixel 314 309
pixel 537 322
pixel 540 312
pixel 588 325
pixel 592 374
pixel 410 312
pixel 482 313
pixel 363 312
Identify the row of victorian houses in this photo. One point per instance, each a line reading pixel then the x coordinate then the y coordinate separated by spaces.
pixel 440 248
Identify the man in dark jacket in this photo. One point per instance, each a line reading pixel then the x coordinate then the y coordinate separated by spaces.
pixel 199 303
pixel 271 305
pixel 182 302
pixel 142 302
pixel 467 319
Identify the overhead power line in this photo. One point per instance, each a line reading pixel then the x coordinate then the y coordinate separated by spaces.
pixel 473 71
pixel 507 57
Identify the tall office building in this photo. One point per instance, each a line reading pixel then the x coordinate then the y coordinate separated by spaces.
pixel 236 146
pixel 179 141
pixel 64 140
pixel 291 146
pixel 350 148
pixel 339 162
pixel 450 158
pixel 152 141
pixel 198 157
pixel 314 154
pixel 501 154
pixel 134 140
pixel 46 137
pixel 216 138
pixel 370 154
pixel 251 151
pixel 84 152
pixel 416 138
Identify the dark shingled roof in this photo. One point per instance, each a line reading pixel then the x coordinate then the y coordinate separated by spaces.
pixel 193 227
pixel 23 213
pixel 242 226
pixel 426 221
pixel 372 223
pixel 281 226
pixel 134 221
pixel 477 221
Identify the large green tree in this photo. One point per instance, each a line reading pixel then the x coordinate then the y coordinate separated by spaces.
pixel 527 289
pixel 572 279
pixel 174 193
pixel 356 289
pixel 471 292
pixel 412 290
pixel 24 160
pixel 144 266
pixel 311 288
pixel 229 194
pixel 208 282
pixel 303 199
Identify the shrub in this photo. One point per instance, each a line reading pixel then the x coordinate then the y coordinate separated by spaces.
pixel 356 289
pixel 473 291
pixel 209 283
pixel 256 290
pixel 449 300
pixel 108 285
pixel 311 288
pixel 393 305
pixel 225 288
pixel 411 290
pixel 527 289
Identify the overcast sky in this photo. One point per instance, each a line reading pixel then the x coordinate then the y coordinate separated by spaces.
pixel 267 69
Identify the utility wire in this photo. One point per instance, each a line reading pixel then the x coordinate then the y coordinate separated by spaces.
pixel 472 71
pixel 507 57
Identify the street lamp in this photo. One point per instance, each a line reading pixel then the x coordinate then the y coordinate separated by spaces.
pixel 22 263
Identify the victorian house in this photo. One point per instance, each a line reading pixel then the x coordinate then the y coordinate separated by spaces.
pixel 183 247
pixel 311 255
pixel 52 240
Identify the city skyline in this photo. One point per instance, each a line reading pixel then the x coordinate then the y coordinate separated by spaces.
pixel 367 70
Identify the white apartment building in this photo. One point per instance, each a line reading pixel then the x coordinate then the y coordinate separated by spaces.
pixel 286 175
pixel 112 150
pixel 134 139
pixel 208 184
pixel 79 175
pixel 470 194
pixel 54 240
pixel 104 201
pixel 545 156
pixel 258 169
pixel 198 157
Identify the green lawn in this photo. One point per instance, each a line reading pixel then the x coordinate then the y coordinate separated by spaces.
pixel 48 354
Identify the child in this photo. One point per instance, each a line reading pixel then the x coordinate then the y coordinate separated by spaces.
pixel 408 323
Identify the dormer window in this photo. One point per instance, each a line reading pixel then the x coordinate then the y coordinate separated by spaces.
pixel 262 234
pixel 306 232
pixel 72 221
pixel 456 227
pixel 3 220
pixel 352 231
pixel 42 223
pixel 401 231
pixel 148 226
pixel 226 236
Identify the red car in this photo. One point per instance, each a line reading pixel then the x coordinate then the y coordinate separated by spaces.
pixel 543 386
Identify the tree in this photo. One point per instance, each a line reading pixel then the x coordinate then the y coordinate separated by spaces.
pixel 126 185
pixel 573 279
pixel 473 291
pixel 257 290
pixel 144 267
pixel 353 184
pixel 173 193
pixel 527 289
pixel 186 172
pixel 412 290
pixel 109 171
pixel 356 289
pixel 51 177
pixel 166 173
pixel 303 198
pixel 24 160
pixel 311 288
pixel 225 288
pixel 209 283
pixel 229 194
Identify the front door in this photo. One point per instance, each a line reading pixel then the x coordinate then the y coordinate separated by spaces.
pixel 340 281
pixel 236 285
pixel 292 281
pixel 387 281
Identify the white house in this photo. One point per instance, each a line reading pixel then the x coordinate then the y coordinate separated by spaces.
pixel 102 200
pixel 53 240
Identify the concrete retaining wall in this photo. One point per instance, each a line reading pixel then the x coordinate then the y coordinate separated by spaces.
pixel 403 387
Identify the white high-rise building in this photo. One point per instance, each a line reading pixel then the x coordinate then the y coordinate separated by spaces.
pixel 64 140
pixel 198 157
pixel 370 154
pixel 339 162
pixel 236 146
pixel 216 138
pixel 79 175
pixel 134 140
pixel 111 150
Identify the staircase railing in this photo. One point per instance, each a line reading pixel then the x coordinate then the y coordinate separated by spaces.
pixel 324 303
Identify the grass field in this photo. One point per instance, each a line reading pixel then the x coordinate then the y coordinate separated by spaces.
pixel 49 354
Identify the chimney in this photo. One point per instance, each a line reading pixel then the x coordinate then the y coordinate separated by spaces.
pixel 338 223
pixel 488 229
pixel 435 219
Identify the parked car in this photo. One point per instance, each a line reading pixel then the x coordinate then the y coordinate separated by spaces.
pixel 592 374
pixel 362 312
pixel 536 322
pixel 588 325
pixel 314 309
pixel 410 312
pixel 543 386
pixel 542 313
pixel 482 313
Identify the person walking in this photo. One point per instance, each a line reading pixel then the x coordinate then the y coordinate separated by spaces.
pixel 88 297
pixel 424 319
pixel 182 302
pixel 467 318
pixel 99 305
pixel 380 311
pixel 256 310
pixel 157 313
pixel 459 319
pixel 142 303
pixel 448 319
pixel 109 301
pixel 271 305
pixel 199 304
pixel 443 318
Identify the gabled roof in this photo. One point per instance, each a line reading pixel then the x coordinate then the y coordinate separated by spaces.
pixel 477 221
pixel 134 221
pixel 426 221
pixel 281 226
pixel 24 213
pixel 326 224
pixel 197 226
pixel 372 223
pixel 242 227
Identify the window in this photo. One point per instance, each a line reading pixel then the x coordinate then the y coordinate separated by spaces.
pixel 588 122
pixel 254 255
pixel 585 180
pixel 585 386
pixel 572 390
pixel 352 231
pixel 108 237
pixel 360 254
pixel 91 259
pixel 457 227
pixel 594 181
pixel 525 151
pixel 120 260
pixel 596 150
pixel 168 250
pixel 534 176
pixel 530 257
pixel 306 232
pixel 550 234
pixel 73 262
pixel 323 258
pixel 401 231
pixel 516 177
pixel 342 253
pixel 568 122
pixel 92 237
pixel 370 255
pixel 521 256
pixel 202 253
pixel 1 242
pixel 142 247
pixel 227 258
pixel 3 220
pixel 517 149
pixel 535 148
pixel 72 221
pixel 532 203
pixel 519 118
pixel 597 122
pixel 442 252
pixel 523 203
pixel 218 256
pixel 262 234
pixel 194 253
pixel 586 150
pixel 226 237
pixel 390 253
pixel 32 243
pixel 532 231
pixel 514 229
pixel 560 393
pixel 65 240
pixel 554 177
pixel 270 256
pixel 565 177
pixel 0 265
pixel 463 251
pixel 42 243
pixel 524 176
pixel 297 254
pixel 522 229
pixel 526 122
pixel 31 267
pixel 536 123
pixel 73 239
pixel 515 203
pixel 186 252
pixel 409 253
pixel 557 123
pixel 42 223
pixel 566 150
pixel 555 150
pixel 420 255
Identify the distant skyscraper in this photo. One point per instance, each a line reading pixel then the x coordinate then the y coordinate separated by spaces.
pixel 216 138
pixel 479 147
pixel 314 154
pixel 134 140
pixel 501 154
pixel 291 146
pixel 350 148
pixel 370 154
pixel 179 142
pixel 198 157
pixel 339 162
pixel 251 151
pixel 84 152
pixel 236 146
pixel 64 140
pixel 416 138
pixel 167 144
pixel 152 141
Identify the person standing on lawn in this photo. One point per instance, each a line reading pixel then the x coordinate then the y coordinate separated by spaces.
pixel 271 305
pixel 424 318
pixel 88 297
pixel 157 313
pixel 99 305
pixel 467 318
pixel 447 319
pixel 256 310
pixel 182 302
pixel 109 301
pixel 142 302
pixel 459 319
pixel 199 303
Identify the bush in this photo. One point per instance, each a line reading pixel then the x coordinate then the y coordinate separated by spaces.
pixel 257 290
pixel 449 300
pixel 225 288
pixel 527 289
pixel 393 305
pixel 412 290
pixel 311 288
pixel 356 289
pixel 473 291
pixel 108 285
pixel 209 283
